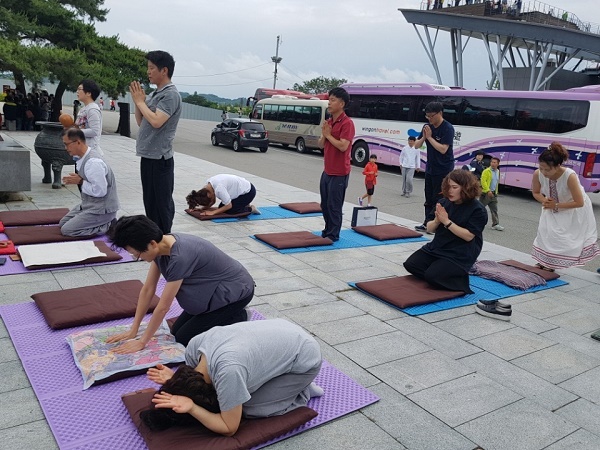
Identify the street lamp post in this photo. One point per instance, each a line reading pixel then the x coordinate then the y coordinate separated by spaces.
pixel 276 59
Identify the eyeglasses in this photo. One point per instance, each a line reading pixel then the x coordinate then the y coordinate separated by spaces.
pixel 430 115
pixel 80 89
pixel 68 143
pixel 137 257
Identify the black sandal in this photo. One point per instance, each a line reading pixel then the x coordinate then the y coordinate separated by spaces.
pixel 548 269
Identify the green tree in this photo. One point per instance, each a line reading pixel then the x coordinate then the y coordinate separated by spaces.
pixel 199 100
pixel 319 85
pixel 57 39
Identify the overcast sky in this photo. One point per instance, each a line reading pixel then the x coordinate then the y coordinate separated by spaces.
pixel 225 47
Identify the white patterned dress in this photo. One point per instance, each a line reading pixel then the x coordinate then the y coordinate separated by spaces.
pixel 568 237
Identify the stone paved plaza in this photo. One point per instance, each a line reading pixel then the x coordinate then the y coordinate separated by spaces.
pixel 450 380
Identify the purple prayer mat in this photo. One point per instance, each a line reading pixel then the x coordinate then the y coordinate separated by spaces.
pixel 96 418
pixel 15 267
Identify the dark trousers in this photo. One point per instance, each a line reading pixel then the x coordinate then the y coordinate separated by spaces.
pixel 433 193
pixel 187 325
pixel 333 192
pixel 158 181
pixel 241 204
pixel 439 272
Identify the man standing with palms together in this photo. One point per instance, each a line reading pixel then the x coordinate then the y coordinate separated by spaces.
pixel 157 117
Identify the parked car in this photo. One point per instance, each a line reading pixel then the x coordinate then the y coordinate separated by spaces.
pixel 240 133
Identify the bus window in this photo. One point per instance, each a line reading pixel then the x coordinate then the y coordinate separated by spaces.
pixel 270 112
pixel 453 107
pixel 488 112
pixel 257 112
pixel 551 116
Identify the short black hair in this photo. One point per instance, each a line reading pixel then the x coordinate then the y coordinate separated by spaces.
pixel 412 138
pixel 495 158
pixel 74 133
pixel 91 87
pixel 134 231
pixel 341 93
pixel 433 107
pixel 373 156
pixel 480 152
pixel 161 60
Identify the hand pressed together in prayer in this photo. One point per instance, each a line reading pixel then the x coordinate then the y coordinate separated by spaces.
pixel 427 132
pixel 137 92
pixel 177 403
pixel 549 203
pixel 72 178
pixel 326 129
pixel 441 214
pixel 160 374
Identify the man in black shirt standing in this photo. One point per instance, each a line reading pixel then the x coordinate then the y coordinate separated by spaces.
pixel 438 136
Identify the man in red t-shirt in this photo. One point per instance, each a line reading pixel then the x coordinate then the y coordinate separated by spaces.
pixel 336 140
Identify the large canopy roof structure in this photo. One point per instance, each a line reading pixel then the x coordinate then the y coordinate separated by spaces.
pixel 534 35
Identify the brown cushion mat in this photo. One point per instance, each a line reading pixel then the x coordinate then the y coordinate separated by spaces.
pixel 545 274
pixel 39 235
pixel 198 215
pixel 302 207
pixel 293 239
pixel 251 432
pixel 32 217
pixel 110 257
pixel 387 231
pixel 406 291
pixel 90 304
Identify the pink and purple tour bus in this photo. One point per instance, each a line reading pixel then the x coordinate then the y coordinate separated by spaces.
pixel 515 126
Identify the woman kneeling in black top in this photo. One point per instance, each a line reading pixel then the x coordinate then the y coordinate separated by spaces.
pixel 458 226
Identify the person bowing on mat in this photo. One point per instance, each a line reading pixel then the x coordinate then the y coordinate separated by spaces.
pixel 253 369
pixel 234 193
pixel 212 288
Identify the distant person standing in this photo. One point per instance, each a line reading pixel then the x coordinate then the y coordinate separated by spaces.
pixel 112 104
pixel 477 164
pixel 101 101
pixel 410 161
pixel 157 117
pixel 490 180
pixel 89 118
pixel 224 116
pixel 438 136
pixel 370 172
pixel 336 141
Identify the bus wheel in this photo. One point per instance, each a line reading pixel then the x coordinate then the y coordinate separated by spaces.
pixel 360 154
pixel 213 140
pixel 301 145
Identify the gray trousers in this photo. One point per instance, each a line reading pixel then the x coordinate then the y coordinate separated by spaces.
pixel 407 180
pixel 78 222
pixel 492 203
pixel 281 394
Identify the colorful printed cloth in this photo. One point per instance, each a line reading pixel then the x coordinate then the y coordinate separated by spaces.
pixel 511 276
pixel 96 361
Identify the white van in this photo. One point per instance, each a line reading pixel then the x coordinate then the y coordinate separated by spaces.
pixel 292 121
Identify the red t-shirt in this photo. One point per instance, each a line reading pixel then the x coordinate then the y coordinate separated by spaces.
pixel 370 179
pixel 337 163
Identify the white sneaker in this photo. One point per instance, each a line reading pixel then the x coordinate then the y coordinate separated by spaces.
pixel 498 227
pixel 254 209
pixel 360 201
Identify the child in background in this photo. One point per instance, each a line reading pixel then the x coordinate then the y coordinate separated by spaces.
pixel 370 174
pixel 410 161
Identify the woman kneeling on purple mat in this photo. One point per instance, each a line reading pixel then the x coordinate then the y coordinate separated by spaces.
pixel 252 369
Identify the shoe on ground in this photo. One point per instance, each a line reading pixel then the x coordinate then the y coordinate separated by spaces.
pixel 360 201
pixel 497 303
pixel 407 195
pixel 255 210
pixel 493 311
pixel 596 335
pixel 421 228
pixel 498 227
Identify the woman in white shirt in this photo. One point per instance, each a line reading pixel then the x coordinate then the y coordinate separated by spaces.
pixel 234 193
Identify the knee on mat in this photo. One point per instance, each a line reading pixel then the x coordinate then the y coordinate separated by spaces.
pixel 67 229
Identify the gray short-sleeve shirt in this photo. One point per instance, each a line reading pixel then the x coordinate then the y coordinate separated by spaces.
pixel 156 143
pixel 244 356
pixel 211 279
